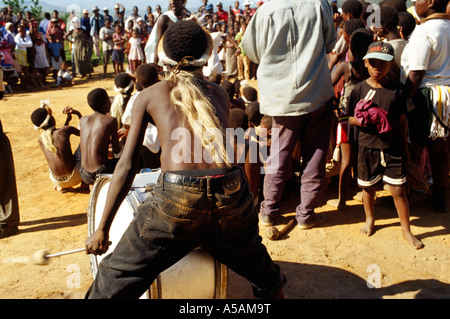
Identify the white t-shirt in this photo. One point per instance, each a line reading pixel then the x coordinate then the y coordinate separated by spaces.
pixel 151 140
pixel 399 46
pixel 109 44
pixel 428 49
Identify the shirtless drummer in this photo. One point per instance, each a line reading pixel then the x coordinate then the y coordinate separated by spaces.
pixel 195 203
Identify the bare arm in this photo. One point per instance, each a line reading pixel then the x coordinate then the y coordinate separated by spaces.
pixel 122 8
pixel 70 130
pixel 413 82
pixel 333 59
pixel 160 29
pixel 121 181
pixel 338 72
pixel 231 40
pixel 404 137
pixel 118 41
pixel 69 111
pixel 353 121
pixel 115 138
pixel 67 35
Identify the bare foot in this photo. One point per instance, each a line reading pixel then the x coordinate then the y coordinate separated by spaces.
pixel 367 229
pixel 412 240
pixel 60 190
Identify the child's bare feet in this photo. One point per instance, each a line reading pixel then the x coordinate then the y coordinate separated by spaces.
pixel 412 240
pixel 367 229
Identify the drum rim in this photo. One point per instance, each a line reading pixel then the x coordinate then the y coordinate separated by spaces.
pixel 98 185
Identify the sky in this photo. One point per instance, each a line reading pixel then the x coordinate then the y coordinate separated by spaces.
pixel 78 5
pixel 192 5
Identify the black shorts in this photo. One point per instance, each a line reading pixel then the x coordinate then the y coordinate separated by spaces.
pixel 375 165
pixel 90 177
pixel 118 56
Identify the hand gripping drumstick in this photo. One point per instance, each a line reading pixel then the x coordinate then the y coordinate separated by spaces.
pixel 42 256
pixel 273 233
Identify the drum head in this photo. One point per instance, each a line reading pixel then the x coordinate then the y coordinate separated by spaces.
pixel 124 215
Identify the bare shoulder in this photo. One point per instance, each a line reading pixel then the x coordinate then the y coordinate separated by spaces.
pixel 66 130
pixel 110 121
pixel 96 119
pixel 154 94
pixel 341 68
pixel 218 96
pixel 165 21
pixel 157 88
pixel 158 96
pixel 217 89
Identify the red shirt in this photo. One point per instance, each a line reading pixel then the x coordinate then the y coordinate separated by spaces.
pixel 223 15
pixel 237 11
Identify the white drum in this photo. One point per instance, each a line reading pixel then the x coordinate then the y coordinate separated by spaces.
pixel 196 276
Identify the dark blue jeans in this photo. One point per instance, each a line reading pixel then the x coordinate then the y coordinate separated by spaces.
pixel 213 211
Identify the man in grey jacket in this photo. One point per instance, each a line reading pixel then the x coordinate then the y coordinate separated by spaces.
pixel 290 41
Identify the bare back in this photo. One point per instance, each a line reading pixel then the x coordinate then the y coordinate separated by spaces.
pixel 153 104
pixel 97 132
pixel 63 162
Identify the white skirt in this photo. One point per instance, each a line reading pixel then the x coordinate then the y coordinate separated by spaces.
pixel 40 60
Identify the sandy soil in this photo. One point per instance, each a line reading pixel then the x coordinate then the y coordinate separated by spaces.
pixel 330 261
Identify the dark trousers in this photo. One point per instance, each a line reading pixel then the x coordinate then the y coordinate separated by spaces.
pixel 9 203
pixel 184 212
pixel 313 131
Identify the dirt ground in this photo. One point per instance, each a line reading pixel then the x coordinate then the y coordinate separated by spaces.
pixel 330 261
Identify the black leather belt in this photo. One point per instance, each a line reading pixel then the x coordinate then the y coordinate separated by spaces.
pixel 229 182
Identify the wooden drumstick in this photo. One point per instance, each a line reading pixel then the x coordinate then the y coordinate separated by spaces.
pixel 41 257
pixel 273 233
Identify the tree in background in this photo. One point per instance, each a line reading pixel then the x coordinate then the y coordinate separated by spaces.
pixel 36 9
pixel 18 5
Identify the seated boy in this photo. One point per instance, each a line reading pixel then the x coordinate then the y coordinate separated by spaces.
pixel 64 78
pixel 97 132
pixel 377 108
pixel 55 144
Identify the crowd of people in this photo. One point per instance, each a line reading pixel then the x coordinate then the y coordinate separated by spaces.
pixel 33 48
pixel 337 88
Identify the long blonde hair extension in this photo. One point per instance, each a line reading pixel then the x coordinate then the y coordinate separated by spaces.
pixel 199 114
pixel 47 140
